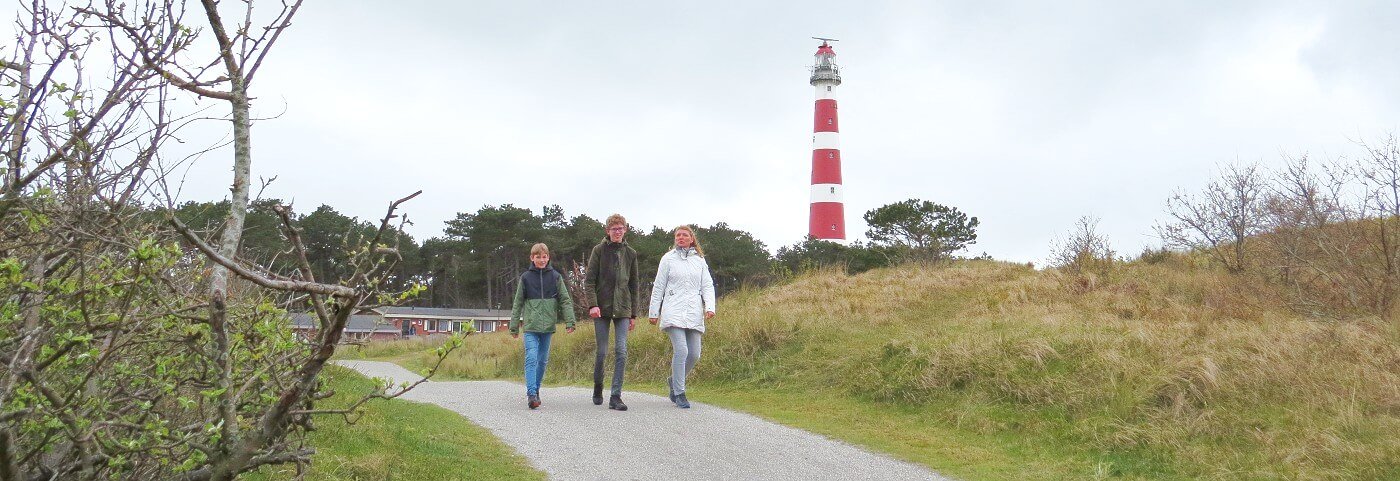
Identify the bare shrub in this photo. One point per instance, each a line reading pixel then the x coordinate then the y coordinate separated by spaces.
pixel 1222 219
pixel 1334 231
pixel 1084 253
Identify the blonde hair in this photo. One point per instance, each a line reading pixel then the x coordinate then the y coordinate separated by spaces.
pixel 615 219
pixel 694 239
pixel 538 249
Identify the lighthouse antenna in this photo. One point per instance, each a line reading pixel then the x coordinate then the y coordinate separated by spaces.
pixel 825 39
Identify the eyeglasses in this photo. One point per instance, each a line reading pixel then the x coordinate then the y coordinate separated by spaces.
pixel 617 229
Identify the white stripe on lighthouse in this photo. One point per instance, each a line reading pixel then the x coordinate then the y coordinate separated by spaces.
pixel 826 140
pixel 826 193
pixel 825 91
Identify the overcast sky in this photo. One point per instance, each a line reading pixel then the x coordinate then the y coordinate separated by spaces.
pixel 1026 115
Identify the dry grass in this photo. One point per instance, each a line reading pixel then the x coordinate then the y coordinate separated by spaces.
pixel 1158 370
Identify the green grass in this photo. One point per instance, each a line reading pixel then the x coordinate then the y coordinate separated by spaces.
pixel 400 440
pixel 986 370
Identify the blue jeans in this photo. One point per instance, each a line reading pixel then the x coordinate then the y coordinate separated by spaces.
pixel 536 358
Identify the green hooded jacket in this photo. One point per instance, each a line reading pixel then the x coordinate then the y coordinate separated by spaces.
pixel 541 301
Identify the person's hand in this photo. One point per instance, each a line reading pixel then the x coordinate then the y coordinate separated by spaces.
pixel 595 312
pixel 652 320
pixel 709 314
pixel 515 335
pixel 569 330
pixel 631 324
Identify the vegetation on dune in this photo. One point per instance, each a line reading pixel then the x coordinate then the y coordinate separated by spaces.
pixel 1168 368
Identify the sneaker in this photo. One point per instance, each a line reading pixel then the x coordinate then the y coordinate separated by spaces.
pixel 597 394
pixel 671 389
pixel 533 401
pixel 682 402
pixel 615 402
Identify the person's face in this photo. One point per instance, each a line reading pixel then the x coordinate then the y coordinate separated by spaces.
pixel 540 259
pixel 616 232
pixel 684 238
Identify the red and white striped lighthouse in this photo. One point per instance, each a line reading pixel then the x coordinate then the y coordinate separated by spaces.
pixel 828 217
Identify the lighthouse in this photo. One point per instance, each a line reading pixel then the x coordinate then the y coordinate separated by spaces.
pixel 828 217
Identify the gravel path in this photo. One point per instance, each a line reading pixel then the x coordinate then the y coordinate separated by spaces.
pixel 571 439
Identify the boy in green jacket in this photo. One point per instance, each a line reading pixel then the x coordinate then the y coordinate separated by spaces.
pixel 541 301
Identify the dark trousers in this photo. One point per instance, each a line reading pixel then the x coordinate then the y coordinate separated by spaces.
pixel 600 332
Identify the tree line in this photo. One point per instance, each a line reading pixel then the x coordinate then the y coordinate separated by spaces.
pixel 480 254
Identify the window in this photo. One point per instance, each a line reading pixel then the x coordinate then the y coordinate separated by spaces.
pixel 831 155
pixel 457 327
pixel 828 88
pixel 830 121
pixel 430 325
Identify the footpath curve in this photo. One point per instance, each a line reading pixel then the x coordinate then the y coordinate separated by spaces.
pixel 571 439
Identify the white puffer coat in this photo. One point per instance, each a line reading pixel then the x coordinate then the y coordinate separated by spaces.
pixel 683 290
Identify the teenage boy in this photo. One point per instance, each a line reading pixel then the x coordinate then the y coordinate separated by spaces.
pixel 614 301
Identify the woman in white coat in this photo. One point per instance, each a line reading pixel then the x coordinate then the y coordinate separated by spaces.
pixel 682 298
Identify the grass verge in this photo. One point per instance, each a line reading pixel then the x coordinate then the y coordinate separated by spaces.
pixel 400 440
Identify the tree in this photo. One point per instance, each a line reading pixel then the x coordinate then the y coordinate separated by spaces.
pixel 921 229
pixel 328 234
pixel 1221 220
pixel 134 349
pixel 572 242
pixel 813 253
pixel 1332 229
pixel 261 240
pixel 450 273
pixel 499 237
pixel 734 256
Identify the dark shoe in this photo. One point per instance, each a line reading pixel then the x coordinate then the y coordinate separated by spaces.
pixel 682 402
pixel 597 394
pixel 615 402
pixel 670 389
pixel 533 401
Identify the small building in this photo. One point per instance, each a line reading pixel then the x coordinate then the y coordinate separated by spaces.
pixel 360 327
pixel 427 321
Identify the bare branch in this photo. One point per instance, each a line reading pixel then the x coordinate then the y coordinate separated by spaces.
pixel 290 286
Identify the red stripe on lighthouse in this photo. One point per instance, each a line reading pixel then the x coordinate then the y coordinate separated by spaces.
pixel 826 166
pixel 826 116
pixel 827 221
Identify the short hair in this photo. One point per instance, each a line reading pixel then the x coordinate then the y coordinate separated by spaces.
pixel 538 249
pixel 614 220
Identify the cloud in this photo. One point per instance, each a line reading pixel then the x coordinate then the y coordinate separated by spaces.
pixel 1025 114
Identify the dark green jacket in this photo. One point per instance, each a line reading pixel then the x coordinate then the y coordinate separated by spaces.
pixel 613 288
pixel 541 301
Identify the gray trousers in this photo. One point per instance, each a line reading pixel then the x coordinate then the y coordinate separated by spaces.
pixel 600 333
pixel 685 351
